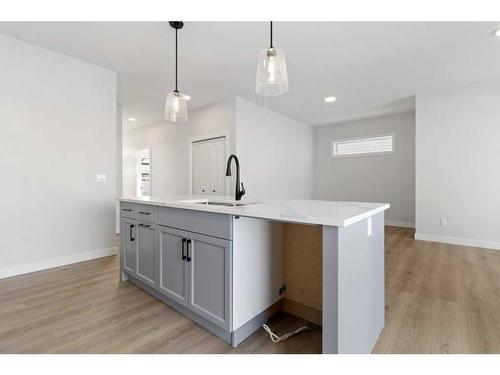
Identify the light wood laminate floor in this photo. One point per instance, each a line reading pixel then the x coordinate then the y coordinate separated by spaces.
pixel 439 299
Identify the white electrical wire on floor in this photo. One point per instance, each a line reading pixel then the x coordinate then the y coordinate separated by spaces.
pixel 276 338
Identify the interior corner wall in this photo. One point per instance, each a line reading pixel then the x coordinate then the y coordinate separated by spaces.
pixel 119 158
pixel 169 144
pixel 370 178
pixel 457 165
pixel 58 132
pixel 275 153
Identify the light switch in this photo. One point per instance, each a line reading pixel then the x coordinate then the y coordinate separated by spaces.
pixel 101 178
pixel 444 221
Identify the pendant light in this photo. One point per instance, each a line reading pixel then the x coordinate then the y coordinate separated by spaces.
pixel 272 79
pixel 175 105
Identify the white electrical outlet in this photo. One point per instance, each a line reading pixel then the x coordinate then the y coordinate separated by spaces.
pixel 444 221
pixel 101 178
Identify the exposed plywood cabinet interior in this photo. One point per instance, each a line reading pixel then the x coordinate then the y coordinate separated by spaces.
pixel 302 268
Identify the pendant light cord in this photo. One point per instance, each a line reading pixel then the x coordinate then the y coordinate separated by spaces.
pixel 271 46
pixel 176 60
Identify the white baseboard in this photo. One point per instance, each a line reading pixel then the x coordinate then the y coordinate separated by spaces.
pixel 56 262
pixel 399 224
pixel 458 241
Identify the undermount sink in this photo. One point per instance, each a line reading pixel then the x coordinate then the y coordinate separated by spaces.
pixel 209 202
pixel 228 204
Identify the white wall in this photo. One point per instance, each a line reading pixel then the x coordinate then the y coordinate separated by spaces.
pixel 170 152
pixel 58 130
pixel 275 153
pixel 119 177
pixel 458 165
pixel 380 178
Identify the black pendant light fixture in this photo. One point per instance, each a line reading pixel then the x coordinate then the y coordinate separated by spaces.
pixel 272 78
pixel 176 103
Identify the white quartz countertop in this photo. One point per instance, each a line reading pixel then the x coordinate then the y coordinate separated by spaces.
pixel 332 213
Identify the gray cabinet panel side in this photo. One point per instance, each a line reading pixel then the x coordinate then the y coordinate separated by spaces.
pixel 361 284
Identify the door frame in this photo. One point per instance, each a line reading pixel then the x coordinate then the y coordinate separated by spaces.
pixel 206 137
pixel 138 172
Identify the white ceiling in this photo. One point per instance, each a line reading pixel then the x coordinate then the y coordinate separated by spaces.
pixel 371 67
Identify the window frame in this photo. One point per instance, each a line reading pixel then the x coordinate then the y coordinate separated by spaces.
pixel 382 153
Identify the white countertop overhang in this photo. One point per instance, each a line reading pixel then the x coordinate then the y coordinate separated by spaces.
pixel 301 211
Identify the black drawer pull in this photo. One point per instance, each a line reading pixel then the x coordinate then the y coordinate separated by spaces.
pixel 130 236
pixel 126 209
pixel 188 256
pixel 144 225
pixel 183 248
pixel 144 213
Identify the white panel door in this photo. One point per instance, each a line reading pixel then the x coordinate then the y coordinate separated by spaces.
pixel 209 167
pixel 219 167
pixel 197 168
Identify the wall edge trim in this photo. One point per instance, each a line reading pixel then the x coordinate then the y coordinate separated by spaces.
pixel 458 241
pixel 56 262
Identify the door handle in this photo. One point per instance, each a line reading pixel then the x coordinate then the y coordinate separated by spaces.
pixel 130 235
pixel 188 256
pixel 183 254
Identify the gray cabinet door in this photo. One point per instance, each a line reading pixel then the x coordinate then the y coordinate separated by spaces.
pixel 210 278
pixel 129 245
pixel 173 276
pixel 146 253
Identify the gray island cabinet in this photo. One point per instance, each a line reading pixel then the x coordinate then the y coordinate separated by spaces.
pixel 188 268
pixel 223 267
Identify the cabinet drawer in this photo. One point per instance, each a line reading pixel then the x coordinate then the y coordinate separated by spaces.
pixel 209 223
pixel 146 213
pixel 127 210
pixel 142 212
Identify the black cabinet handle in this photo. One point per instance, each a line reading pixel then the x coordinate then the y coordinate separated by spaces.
pixel 188 256
pixel 144 225
pixel 126 209
pixel 183 254
pixel 131 227
pixel 144 213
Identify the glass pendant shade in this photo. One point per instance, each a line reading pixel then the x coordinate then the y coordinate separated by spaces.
pixel 272 78
pixel 176 107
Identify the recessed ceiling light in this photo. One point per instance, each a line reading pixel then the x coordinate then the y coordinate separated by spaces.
pixel 131 119
pixel 497 33
pixel 330 99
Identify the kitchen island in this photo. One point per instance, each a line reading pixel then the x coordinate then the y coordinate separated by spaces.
pixel 220 262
